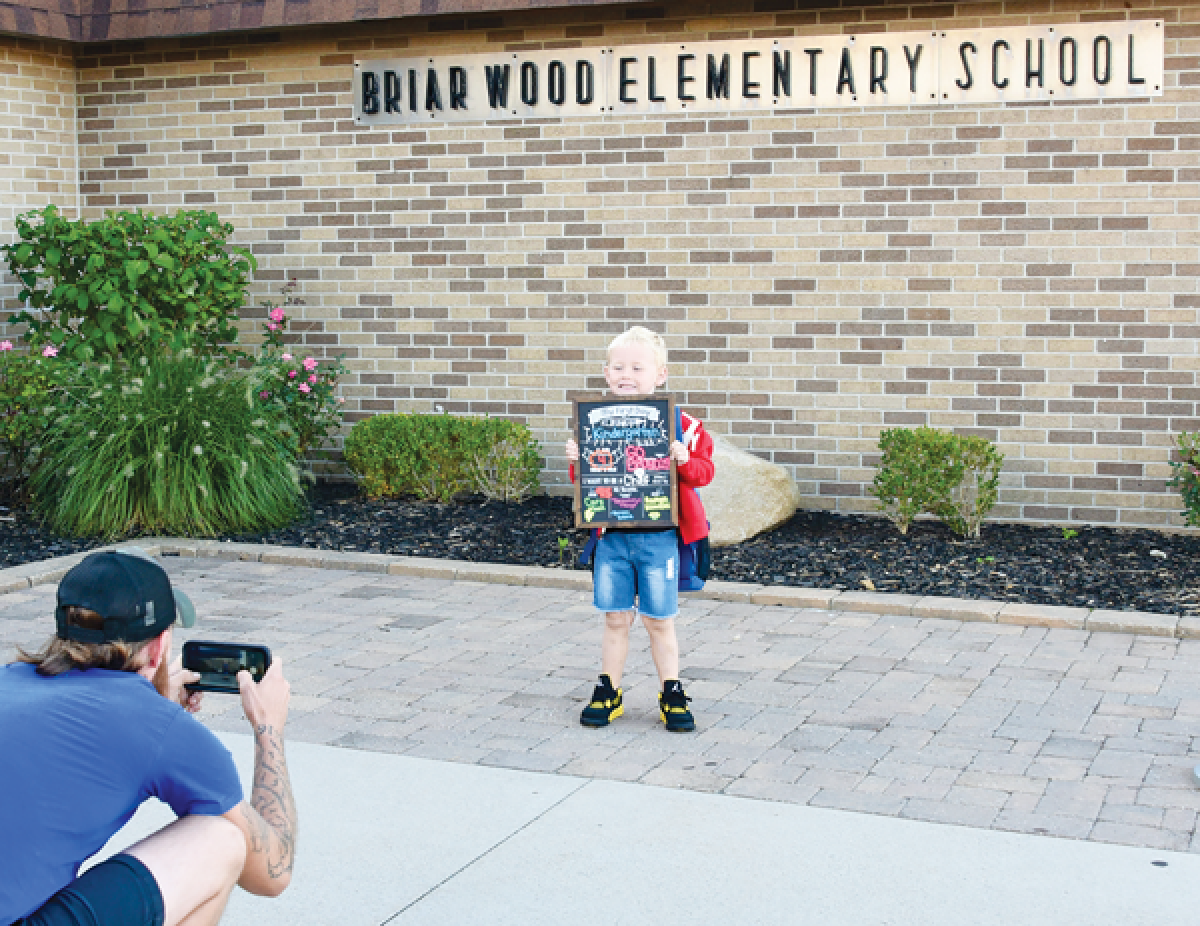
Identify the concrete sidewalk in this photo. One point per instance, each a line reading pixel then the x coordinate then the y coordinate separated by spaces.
pixel 392 839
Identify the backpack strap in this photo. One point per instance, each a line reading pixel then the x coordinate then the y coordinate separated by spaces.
pixel 688 437
pixel 589 549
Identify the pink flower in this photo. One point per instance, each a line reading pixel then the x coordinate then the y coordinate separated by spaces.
pixel 313 379
pixel 305 387
pixel 5 345
pixel 341 401
pixel 272 326
pixel 286 356
pixel 291 374
pixel 277 314
pixel 310 364
pixel 49 351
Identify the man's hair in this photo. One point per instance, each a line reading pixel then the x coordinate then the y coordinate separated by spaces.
pixel 59 656
pixel 639 335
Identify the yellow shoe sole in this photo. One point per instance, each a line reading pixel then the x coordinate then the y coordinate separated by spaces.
pixel 611 717
pixel 663 715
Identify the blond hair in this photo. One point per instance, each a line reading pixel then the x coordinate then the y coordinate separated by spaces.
pixel 639 335
pixel 59 656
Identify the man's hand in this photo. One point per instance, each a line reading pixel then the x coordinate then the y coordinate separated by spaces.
pixel 177 677
pixel 266 703
pixel 679 452
pixel 572 450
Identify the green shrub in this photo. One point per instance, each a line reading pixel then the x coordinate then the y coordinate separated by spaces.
pixel 917 472
pixel 1187 476
pixel 440 456
pixel 32 386
pixel 407 455
pixel 302 390
pixel 173 444
pixel 930 471
pixel 132 283
pixel 977 492
pixel 507 464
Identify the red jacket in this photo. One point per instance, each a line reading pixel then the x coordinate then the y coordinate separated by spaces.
pixel 694 474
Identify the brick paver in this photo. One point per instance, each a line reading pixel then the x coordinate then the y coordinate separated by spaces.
pixel 1031 729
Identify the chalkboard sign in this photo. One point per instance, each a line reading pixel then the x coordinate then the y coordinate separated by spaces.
pixel 625 476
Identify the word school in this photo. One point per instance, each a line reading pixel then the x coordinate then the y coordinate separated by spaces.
pixel 1083 61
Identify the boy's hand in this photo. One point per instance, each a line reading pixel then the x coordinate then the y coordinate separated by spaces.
pixel 572 450
pixel 679 453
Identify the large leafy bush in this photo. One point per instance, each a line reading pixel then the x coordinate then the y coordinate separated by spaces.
pixel 129 284
pixel 173 444
pixel 925 470
pixel 441 456
pixel 1187 476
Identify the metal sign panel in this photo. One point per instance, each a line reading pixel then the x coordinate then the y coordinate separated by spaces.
pixel 889 69
pixel 1078 61
pixel 1084 61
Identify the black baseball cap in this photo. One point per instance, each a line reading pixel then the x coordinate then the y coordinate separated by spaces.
pixel 129 589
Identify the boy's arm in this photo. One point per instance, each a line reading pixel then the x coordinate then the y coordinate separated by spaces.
pixel 698 470
pixel 572 452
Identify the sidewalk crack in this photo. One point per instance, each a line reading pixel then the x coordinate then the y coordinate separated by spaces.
pixel 486 852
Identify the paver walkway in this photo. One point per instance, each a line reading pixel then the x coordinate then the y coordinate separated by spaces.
pixel 1085 735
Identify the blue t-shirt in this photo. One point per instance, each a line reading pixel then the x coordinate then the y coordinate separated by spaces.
pixel 79 753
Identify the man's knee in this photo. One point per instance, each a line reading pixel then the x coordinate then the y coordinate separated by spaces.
pixel 229 845
pixel 214 841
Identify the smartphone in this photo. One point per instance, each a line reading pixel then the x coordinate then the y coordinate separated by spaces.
pixel 219 664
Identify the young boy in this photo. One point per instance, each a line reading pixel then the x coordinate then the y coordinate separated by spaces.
pixel 644 562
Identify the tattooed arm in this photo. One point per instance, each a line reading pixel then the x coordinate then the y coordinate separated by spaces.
pixel 268 821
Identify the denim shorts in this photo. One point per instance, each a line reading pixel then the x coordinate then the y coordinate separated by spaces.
pixel 119 892
pixel 641 566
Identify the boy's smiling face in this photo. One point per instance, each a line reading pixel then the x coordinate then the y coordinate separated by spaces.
pixel 632 369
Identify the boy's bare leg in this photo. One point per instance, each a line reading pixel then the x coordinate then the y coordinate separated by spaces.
pixel 196 862
pixel 616 644
pixel 664 647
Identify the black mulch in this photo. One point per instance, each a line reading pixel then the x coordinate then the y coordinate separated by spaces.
pixel 1138 570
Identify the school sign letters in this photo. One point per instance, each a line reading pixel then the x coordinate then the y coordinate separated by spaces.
pixel 1078 61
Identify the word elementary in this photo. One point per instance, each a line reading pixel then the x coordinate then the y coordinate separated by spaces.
pixel 1081 61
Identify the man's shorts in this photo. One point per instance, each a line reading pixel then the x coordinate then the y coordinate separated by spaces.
pixel 644 566
pixel 119 892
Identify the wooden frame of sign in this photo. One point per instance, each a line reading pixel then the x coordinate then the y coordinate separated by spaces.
pixel 613 432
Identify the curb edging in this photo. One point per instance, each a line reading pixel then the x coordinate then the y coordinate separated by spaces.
pixel 1095 620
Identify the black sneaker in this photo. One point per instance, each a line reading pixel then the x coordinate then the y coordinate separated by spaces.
pixel 673 708
pixel 607 705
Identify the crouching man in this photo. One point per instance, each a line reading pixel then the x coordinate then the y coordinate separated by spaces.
pixel 92 725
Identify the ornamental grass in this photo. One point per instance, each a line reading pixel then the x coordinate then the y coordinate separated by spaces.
pixel 171 444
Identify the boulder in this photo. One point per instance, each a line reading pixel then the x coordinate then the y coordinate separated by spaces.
pixel 747 496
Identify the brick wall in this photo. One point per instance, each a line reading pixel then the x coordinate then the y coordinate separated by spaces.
pixel 37 135
pixel 1026 272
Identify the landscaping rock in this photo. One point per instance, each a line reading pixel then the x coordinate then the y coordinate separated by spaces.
pixel 747 496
